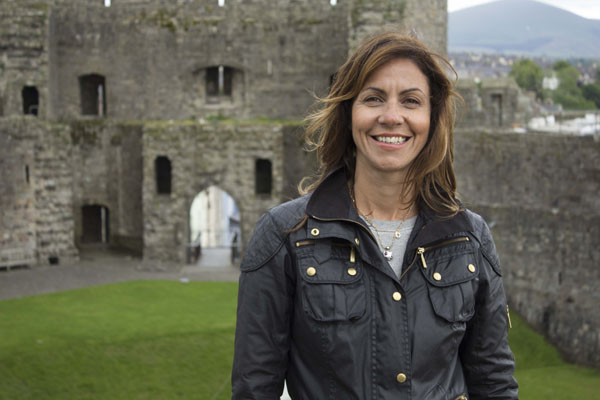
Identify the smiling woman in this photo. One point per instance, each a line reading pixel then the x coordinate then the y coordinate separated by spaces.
pixel 376 284
pixel 390 120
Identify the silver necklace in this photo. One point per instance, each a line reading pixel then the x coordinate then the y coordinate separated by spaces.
pixel 386 250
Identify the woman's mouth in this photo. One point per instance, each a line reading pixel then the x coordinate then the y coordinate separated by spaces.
pixel 391 139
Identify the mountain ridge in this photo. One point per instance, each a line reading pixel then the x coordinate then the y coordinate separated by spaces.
pixel 523 27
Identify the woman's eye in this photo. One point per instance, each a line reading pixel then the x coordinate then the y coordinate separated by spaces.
pixel 412 101
pixel 372 99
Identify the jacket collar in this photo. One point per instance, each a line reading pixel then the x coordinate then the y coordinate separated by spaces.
pixel 331 201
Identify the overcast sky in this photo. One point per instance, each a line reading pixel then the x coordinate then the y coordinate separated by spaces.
pixel 585 8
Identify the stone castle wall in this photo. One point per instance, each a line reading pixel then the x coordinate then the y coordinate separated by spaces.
pixel 204 155
pixel 539 194
pixel 106 166
pixel 154 57
pixel 24 53
pixel 36 201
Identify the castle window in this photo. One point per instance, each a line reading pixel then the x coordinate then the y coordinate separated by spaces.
pixel 333 2
pixel 221 3
pixel 497 105
pixel 31 100
pixel 106 3
pixel 92 90
pixel 263 176
pixel 219 81
pixel 27 173
pixel 162 170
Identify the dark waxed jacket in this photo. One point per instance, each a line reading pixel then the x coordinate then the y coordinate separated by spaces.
pixel 322 309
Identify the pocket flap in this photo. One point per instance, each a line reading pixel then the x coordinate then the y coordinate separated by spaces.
pixel 332 270
pixel 450 271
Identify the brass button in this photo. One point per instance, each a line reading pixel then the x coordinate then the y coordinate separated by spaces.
pixel 357 241
pixel 314 232
pixel 461 397
pixel 471 267
pixel 437 276
pixel 311 271
pixel 401 378
pixel 351 271
pixel 397 296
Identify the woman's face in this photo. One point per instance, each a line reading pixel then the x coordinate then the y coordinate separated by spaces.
pixel 390 118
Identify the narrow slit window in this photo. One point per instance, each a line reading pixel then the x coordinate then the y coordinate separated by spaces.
pixel 219 81
pixel 92 89
pixel 27 173
pixel 31 100
pixel 212 81
pixel 497 104
pixel 263 176
pixel 162 169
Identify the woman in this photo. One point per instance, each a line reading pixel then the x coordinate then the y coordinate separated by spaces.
pixel 376 284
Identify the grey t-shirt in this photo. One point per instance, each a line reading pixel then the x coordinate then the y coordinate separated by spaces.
pixel 386 233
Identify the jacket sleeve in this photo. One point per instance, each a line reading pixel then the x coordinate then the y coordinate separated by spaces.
pixel 264 311
pixel 487 359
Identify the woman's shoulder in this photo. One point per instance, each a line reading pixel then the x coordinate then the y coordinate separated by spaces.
pixel 287 215
pixel 271 231
pixel 483 234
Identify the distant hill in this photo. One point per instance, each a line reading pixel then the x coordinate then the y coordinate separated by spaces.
pixel 524 27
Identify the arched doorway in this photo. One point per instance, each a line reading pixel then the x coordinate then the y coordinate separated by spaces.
pixel 215 234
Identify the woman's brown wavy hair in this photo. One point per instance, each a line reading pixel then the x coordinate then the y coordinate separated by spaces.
pixel 430 177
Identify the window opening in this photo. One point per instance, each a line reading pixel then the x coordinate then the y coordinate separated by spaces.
pixel 263 176
pixel 53 260
pixel 95 219
pixel 162 170
pixel 31 100
pixel 106 3
pixel 219 81
pixel 27 173
pixel 221 3
pixel 497 104
pixel 92 90
pixel 333 2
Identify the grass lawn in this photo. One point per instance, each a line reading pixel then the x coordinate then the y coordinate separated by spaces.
pixel 168 340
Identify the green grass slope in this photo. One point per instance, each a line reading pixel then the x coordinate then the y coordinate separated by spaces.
pixel 137 340
pixel 168 340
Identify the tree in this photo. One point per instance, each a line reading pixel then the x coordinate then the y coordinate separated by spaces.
pixel 529 76
pixel 569 92
pixel 592 93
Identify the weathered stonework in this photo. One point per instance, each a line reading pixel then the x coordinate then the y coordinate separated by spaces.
pixel 36 200
pixel 495 102
pixel 221 154
pixel 539 193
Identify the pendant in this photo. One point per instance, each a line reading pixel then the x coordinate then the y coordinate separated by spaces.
pixel 397 234
pixel 387 253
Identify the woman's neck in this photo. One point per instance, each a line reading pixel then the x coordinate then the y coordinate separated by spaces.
pixel 382 196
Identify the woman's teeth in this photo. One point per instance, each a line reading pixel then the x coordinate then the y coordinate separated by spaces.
pixel 391 139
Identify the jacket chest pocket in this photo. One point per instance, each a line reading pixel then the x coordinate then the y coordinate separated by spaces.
pixel 332 286
pixel 451 277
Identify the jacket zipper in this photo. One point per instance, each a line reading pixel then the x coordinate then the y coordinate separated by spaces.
pixel 421 250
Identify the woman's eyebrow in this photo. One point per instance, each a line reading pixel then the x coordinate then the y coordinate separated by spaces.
pixel 378 90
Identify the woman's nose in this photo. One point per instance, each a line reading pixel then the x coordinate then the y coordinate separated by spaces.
pixel 392 114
